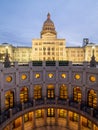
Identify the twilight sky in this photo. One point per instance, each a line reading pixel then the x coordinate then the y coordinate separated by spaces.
pixel 22 20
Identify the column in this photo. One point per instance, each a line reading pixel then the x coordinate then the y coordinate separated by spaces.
pixel 45 117
pixel 92 116
pixel 33 119
pixel 10 126
pixel 56 117
pixel 31 92
pixel 31 81
pixel 56 90
pixel 17 95
pixel 23 122
pixel 79 123
pixel 92 126
pixel 44 87
pixel 67 119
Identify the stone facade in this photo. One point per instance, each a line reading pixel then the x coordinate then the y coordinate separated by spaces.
pixel 49 93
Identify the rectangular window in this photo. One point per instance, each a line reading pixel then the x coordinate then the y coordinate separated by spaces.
pixel 38 113
pixel 51 112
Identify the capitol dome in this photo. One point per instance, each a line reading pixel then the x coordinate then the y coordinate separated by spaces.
pixel 48 26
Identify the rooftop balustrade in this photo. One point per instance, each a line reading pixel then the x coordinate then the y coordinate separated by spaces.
pixel 46 63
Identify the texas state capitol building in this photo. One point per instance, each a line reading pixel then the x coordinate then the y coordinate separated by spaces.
pixel 48 92
pixel 49 47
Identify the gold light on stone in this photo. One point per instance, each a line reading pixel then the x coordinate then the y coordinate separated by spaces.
pixel 37 75
pixel 50 75
pixel 77 76
pixel 92 78
pixel 23 77
pixel 8 78
pixel 63 76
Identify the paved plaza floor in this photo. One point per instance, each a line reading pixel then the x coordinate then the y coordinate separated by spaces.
pixel 51 128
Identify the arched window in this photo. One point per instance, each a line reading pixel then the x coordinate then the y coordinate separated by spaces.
pixel 63 92
pixel 50 91
pixel 9 99
pixel 92 99
pixel 24 94
pixel 77 95
pixel 37 92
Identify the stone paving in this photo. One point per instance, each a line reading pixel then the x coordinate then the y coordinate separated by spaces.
pixel 51 128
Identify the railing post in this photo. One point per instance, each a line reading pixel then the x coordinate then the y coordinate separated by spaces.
pixel 10 125
pixel 10 112
pixel 67 102
pixel 79 122
pixel 22 106
pixel 56 117
pixel 34 119
pixel 34 102
pixel 92 112
pixel 45 117
pixel 22 122
pixel 67 119
pixel 92 109
pixel 16 64
pixel 79 105
pixel 30 64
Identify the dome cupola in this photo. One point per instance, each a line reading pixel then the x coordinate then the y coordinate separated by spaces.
pixel 48 26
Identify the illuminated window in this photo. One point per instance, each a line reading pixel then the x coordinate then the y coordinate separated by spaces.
pixel 51 112
pixel 16 123
pixel 23 77
pixel 63 92
pixel 73 116
pixel 63 76
pixel 8 79
pixel 37 75
pixel 24 94
pixel 50 91
pixel 92 78
pixel 86 122
pixel 50 75
pixel 9 99
pixel 92 99
pixel 37 92
pixel 48 48
pixel 77 94
pixel 26 117
pixel 62 113
pixel 77 76
pixel 38 113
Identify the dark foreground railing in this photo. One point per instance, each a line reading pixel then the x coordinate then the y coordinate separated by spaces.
pixel 7 114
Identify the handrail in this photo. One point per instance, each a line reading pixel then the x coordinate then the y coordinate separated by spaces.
pixel 7 114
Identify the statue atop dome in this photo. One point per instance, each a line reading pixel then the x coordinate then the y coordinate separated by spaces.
pixel 48 16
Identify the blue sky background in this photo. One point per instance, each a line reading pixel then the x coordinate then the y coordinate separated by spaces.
pixel 22 20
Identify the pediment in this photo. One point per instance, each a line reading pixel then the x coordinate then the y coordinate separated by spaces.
pixel 46 35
